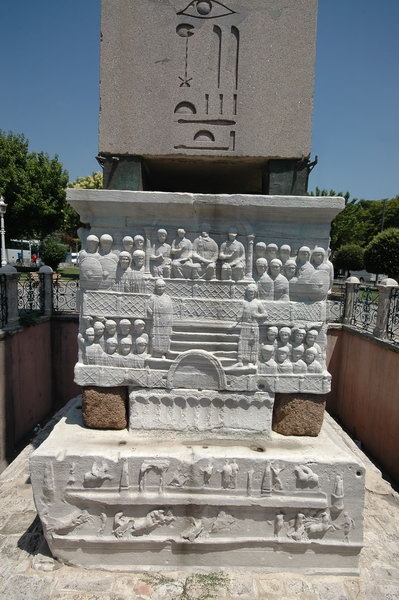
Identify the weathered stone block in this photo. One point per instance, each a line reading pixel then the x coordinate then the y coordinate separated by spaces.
pixel 298 414
pixel 104 408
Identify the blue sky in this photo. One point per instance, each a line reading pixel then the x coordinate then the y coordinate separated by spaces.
pixel 49 88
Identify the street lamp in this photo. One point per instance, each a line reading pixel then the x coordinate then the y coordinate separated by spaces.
pixel 3 208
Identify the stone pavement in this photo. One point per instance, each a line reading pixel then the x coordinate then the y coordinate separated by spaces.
pixel 27 572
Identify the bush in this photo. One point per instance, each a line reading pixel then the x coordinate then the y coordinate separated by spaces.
pixel 349 257
pixel 52 251
pixel 382 253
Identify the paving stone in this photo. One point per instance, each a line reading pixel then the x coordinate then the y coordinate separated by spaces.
pixel 24 587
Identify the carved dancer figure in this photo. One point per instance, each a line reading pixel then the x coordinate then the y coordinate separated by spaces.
pixel 181 256
pixel 298 531
pixel 160 260
pixel 160 311
pixel 207 472
pixel 91 272
pixel 281 285
pixel 232 255
pixel 267 364
pixel 284 364
pixel 279 524
pixel 252 312
pixel 138 283
pixel 284 253
pixel 265 283
pixel 298 364
pixel 347 525
pixel 205 254
pixel 124 275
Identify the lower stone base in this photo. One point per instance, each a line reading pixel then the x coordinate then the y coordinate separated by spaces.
pixel 109 500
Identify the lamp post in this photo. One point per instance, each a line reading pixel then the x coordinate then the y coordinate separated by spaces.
pixel 3 208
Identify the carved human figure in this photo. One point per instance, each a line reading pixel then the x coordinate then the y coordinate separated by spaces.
pixel 229 474
pixel 260 250
pixel 91 349
pixel 252 313
pixel 284 253
pixel 112 358
pixel 330 266
pixel 99 329
pixel 128 244
pixel 140 353
pixel 138 283
pixel 277 485
pixel 139 330
pixel 124 327
pixel 298 364
pixel 289 270
pixel 284 337
pixel 298 335
pixel 284 365
pixel 318 259
pixel 304 269
pixel 205 254
pixel 281 285
pixel 271 252
pixel 109 328
pixel 108 260
pixel 313 366
pixel 160 260
pixel 271 335
pixel 91 272
pixel 125 346
pixel 265 282
pixel 347 525
pixel 160 311
pixel 310 340
pixel 299 531
pixel 124 275
pixel 279 525
pixel 232 255
pixel 138 241
pixel 181 252
pixel 267 364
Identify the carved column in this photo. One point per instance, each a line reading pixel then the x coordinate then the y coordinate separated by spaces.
pixel 11 294
pixel 46 276
pixel 384 297
pixel 250 256
pixel 351 288
pixel 147 232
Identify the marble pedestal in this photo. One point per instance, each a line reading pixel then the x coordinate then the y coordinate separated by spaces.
pixel 110 500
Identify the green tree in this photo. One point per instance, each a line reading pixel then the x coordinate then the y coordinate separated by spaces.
pixel 349 258
pixel 52 251
pixel 33 186
pixel 382 254
pixel 71 220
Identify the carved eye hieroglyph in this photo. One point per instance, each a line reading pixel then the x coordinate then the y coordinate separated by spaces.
pixel 206 9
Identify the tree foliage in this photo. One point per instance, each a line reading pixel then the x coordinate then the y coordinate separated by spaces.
pixel 382 254
pixel 33 186
pixel 71 219
pixel 349 258
pixel 52 251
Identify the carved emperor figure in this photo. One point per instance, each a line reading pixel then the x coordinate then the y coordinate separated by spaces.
pixel 181 255
pixel 205 255
pixel 160 258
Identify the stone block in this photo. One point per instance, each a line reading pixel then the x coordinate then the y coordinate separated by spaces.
pixel 230 80
pixel 298 414
pixel 104 408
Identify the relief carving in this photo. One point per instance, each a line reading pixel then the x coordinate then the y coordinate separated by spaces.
pixel 160 311
pixel 232 255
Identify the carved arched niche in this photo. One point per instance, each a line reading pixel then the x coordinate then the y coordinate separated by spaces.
pixel 196 369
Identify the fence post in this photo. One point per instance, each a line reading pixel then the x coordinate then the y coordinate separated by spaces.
pixel 384 297
pixel 46 276
pixel 11 295
pixel 351 287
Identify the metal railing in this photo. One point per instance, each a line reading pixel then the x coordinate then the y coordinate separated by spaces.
pixel 3 300
pixel 393 317
pixel 365 308
pixel 31 293
pixel 65 295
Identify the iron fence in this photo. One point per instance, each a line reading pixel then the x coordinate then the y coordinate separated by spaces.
pixel 365 305
pixel 393 317
pixel 65 294
pixel 3 300
pixel 31 293
pixel 336 304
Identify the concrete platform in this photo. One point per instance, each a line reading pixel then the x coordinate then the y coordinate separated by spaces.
pixel 28 572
